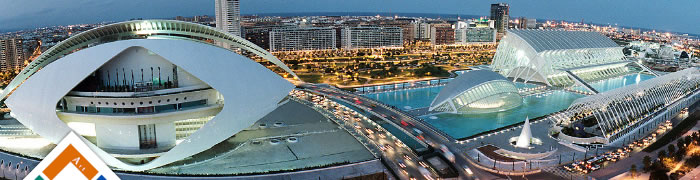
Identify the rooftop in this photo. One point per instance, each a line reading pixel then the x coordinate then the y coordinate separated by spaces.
pixel 543 40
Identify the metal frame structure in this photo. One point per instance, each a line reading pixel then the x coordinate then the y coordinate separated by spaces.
pixel 139 29
pixel 619 110
pixel 541 55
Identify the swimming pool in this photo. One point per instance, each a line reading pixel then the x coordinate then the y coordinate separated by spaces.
pixel 460 126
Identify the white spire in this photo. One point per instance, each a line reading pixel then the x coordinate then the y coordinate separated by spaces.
pixel 525 135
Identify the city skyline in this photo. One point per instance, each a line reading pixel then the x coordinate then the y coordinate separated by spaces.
pixel 15 16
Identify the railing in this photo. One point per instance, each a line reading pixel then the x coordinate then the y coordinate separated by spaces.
pixel 401 86
pixel 427 126
pixel 503 167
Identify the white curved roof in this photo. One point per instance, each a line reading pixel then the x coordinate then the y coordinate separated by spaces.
pixel 138 29
pixel 464 82
pixel 250 92
pixel 542 40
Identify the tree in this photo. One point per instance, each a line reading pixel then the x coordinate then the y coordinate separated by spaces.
pixel 662 153
pixel 671 149
pixel 680 143
pixel 633 171
pixel 647 163
pixel 658 175
pixel 688 140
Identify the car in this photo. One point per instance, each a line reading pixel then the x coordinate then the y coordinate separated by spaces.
pixel 388 147
pixel 403 171
pixel 425 165
pixel 401 163
pixel 467 170
pixel 406 157
pixel 382 147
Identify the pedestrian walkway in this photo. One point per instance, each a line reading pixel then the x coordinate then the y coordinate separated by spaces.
pixel 564 174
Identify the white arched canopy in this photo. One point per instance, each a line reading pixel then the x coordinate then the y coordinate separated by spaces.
pixel 250 92
pixel 139 29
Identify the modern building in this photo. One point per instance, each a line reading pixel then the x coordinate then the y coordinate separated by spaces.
pixel 477 91
pixel 371 37
pixel 143 96
pixel 552 56
pixel 297 39
pixel 526 23
pixel 441 34
pixel 260 34
pixel 475 35
pixel 481 23
pixel 11 55
pixel 500 15
pixel 228 16
pixel 423 30
pixel 407 25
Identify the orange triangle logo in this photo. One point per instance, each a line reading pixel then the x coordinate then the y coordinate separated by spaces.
pixel 71 159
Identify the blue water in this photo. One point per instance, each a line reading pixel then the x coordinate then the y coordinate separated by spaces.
pixel 415 98
pixel 614 83
pixel 460 126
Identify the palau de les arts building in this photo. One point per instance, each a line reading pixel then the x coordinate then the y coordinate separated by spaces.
pixel 143 94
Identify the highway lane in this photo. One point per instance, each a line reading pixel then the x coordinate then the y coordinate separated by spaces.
pixel 430 135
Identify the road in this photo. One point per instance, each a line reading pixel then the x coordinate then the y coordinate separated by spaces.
pixel 396 155
pixel 432 137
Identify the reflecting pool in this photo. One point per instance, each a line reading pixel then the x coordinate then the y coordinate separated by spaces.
pixel 460 126
pixel 617 82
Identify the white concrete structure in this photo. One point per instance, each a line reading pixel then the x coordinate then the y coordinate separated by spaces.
pixel 477 91
pixel 213 94
pixel 544 55
pixel 621 110
pixel 228 16
pixel 525 135
pixel 152 29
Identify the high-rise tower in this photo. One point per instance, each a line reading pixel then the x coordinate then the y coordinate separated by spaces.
pixel 228 16
pixel 500 13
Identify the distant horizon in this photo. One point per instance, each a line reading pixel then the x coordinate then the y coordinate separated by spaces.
pixel 383 14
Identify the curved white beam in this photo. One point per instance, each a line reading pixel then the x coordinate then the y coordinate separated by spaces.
pixel 135 30
pixel 249 89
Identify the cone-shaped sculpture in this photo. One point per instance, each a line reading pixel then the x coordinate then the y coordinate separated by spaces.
pixel 525 135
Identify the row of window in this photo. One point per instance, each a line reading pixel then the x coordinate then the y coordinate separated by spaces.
pixel 140 110
pixel 140 103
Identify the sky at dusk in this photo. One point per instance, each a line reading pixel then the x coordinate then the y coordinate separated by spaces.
pixel 677 16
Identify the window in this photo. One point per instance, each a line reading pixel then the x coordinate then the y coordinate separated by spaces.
pixel 193 103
